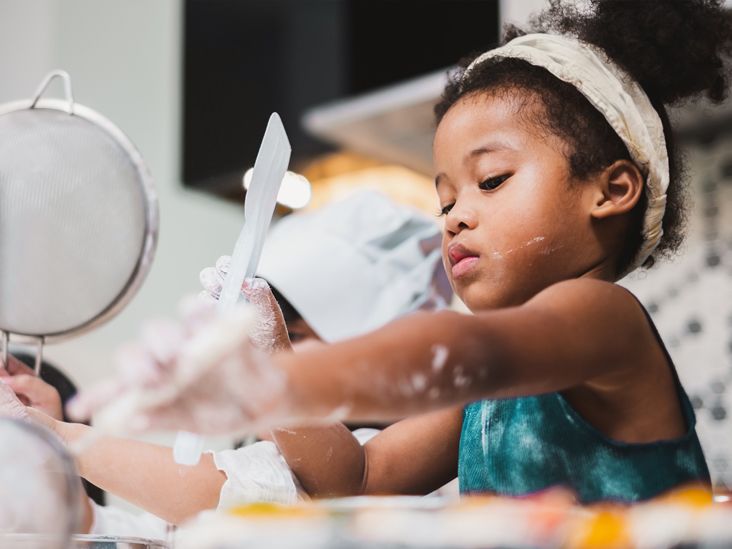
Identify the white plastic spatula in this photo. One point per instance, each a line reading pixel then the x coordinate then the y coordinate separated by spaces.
pixel 269 170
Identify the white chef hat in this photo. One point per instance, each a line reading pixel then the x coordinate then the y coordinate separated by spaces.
pixel 356 264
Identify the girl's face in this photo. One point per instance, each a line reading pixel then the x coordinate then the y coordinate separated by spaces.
pixel 515 223
pixel 300 332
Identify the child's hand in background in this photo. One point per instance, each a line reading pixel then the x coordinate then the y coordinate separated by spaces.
pixel 30 389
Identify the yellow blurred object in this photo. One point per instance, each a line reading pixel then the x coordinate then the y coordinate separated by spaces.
pixel 695 496
pixel 551 518
pixel 274 510
pixel 602 530
pixel 608 525
pixel 335 176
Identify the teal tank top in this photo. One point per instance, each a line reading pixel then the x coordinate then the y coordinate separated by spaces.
pixel 519 446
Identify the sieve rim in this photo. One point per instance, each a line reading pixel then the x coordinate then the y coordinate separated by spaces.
pixel 68 466
pixel 151 217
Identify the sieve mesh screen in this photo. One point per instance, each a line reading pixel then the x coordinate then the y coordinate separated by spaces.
pixel 72 221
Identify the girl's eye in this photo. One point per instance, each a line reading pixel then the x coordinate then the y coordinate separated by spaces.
pixel 445 210
pixel 492 182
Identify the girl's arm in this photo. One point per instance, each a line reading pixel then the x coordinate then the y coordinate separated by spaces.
pixel 142 473
pixel 585 337
pixel 580 332
pixel 413 456
pixel 146 475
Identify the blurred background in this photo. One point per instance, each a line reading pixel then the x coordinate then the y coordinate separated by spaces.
pixel 192 82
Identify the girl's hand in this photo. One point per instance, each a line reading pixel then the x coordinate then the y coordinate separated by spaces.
pixel 203 375
pixel 32 390
pixel 270 333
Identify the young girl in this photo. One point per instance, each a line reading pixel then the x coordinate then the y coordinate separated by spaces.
pixel 557 175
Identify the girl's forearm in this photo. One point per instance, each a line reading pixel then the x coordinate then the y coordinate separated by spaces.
pixel 415 365
pixel 555 341
pixel 144 474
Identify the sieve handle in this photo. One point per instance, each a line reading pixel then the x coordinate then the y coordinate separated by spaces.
pixel 47 81
pixel 5 344
pixel 38 364
pixel 5 351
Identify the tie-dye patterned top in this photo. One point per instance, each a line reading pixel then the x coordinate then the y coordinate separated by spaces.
pixel 523 445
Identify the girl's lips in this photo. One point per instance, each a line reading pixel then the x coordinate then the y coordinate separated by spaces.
pixel 464 266
pixel 458 252
pixel 462 259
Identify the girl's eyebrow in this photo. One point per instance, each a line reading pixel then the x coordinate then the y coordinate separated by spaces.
pixel 491 147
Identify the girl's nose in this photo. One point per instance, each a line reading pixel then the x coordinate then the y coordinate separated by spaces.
pixel 461 216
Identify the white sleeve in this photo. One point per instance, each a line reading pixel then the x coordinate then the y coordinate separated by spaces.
pixel 365 434
pixel 113 521
pixel 256 473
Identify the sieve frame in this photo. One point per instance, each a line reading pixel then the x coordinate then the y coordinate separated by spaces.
pixel 150 199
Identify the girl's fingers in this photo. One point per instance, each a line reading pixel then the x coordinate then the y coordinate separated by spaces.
pixel 211 281
pixel 222 266
pixel 270 332
pixel 257 290
pixel 259 294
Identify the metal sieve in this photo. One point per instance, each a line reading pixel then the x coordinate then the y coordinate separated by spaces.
pixel 78 219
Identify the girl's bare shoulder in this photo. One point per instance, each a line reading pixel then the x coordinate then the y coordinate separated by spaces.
pixel 598 311
pixel 590 295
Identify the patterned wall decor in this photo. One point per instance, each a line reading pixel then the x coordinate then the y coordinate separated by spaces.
pixel 690 298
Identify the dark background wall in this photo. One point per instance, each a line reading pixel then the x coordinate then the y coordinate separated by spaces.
pixel 244 59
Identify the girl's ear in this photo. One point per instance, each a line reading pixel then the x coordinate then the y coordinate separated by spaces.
pixel 619 188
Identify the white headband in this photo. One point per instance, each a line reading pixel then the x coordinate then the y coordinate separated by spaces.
pixel 621 101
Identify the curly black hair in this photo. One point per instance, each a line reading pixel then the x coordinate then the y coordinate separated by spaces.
pixel 675 49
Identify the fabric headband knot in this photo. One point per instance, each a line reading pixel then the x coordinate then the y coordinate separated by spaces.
pixel 622 102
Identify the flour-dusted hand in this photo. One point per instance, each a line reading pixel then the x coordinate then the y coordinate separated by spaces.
pixel 270 332
pixel 10 405
pixel 203 375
